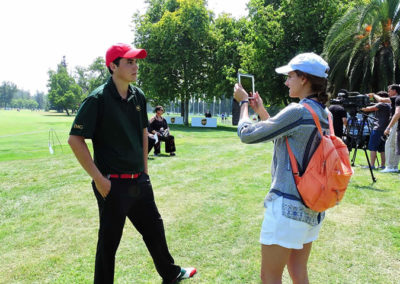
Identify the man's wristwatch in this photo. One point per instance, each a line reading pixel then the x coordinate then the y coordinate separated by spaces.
pixel 243 102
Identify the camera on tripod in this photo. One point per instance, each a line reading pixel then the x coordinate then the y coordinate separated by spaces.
pixel 352 102
pixel 359 125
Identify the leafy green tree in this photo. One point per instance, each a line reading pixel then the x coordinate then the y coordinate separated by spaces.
pixel 81 78
pixel 31 104
pixel 306 23
pixel 176 39
pixel 93 76
pixel 262 51
pixel 7 92
pixel 227 35
pixel 363 47
pixel 98 74
pixel 24 103
pixel 17 103
pixel 64 92
pixel 40 98
pixel 22 94
pixel 280 29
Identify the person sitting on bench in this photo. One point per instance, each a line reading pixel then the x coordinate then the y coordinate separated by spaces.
pixel 158 126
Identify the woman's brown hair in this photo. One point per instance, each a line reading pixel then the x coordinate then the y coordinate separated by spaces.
pixel 318 86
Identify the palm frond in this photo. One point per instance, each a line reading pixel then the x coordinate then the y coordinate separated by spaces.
pixel 363 47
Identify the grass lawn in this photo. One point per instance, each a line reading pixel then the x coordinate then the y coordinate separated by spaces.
pixel 211 199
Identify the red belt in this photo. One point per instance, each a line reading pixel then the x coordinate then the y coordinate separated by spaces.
pixel 124 176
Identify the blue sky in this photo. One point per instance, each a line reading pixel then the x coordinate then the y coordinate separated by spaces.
pixel 37 34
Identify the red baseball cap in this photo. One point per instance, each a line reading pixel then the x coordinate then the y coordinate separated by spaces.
pixel 125 51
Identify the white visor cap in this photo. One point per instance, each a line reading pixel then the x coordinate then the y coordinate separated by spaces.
pixel 310 63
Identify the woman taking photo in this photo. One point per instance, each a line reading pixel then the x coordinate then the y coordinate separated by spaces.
pixel 289 227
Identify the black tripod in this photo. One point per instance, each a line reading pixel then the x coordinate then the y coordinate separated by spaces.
pixel 357 139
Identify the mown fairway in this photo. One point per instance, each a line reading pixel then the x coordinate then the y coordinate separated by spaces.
pixel 210 196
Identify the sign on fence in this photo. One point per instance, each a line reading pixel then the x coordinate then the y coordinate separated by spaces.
pixel 174 119
pixel 204 122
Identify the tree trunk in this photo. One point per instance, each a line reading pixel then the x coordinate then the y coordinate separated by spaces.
pixel 67 111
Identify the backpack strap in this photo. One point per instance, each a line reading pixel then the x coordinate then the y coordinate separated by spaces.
pixel 331 129
pixel 293 162
pixel 315 117
pixel 316 120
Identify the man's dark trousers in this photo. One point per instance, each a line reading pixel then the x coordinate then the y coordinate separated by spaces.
pixel 132 198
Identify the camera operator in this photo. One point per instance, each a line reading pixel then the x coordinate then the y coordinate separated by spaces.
pixel 391 147
pixel 339 118
pixel 376 140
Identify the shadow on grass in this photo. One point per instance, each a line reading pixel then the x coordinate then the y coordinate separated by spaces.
pixel 368 187
pixel 58 114
pixel 161 155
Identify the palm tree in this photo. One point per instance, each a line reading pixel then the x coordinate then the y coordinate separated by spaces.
pixel 363 47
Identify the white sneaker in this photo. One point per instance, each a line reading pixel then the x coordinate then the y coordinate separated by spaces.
pixel 389 170
pixel 187 272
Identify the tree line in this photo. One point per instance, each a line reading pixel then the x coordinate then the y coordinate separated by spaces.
pixel 194 54
pixel 191 52
pixel 66 89
pixel 13 97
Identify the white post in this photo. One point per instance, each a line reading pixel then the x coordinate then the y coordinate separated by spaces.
pixel 203 102
pixel 213 106
pixel 191 101
pixel 174 105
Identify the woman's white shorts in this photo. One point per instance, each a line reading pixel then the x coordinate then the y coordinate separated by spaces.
pixel 279 230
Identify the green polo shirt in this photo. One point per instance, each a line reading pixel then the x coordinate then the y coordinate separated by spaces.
pixel 115 126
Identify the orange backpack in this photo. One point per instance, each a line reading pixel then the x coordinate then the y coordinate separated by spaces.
pixel 328 172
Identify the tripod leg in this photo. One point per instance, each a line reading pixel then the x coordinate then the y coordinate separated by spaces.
pixel 369 165
pixel 354 156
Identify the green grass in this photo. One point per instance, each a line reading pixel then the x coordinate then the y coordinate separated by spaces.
pixel 211 199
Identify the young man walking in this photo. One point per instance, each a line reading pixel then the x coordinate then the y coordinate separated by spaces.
pixel 114 116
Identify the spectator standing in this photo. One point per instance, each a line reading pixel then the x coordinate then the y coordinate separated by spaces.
pixel 376 140
pixel 392 157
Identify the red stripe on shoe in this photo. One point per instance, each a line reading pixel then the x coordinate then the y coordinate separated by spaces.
pixel 193 272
